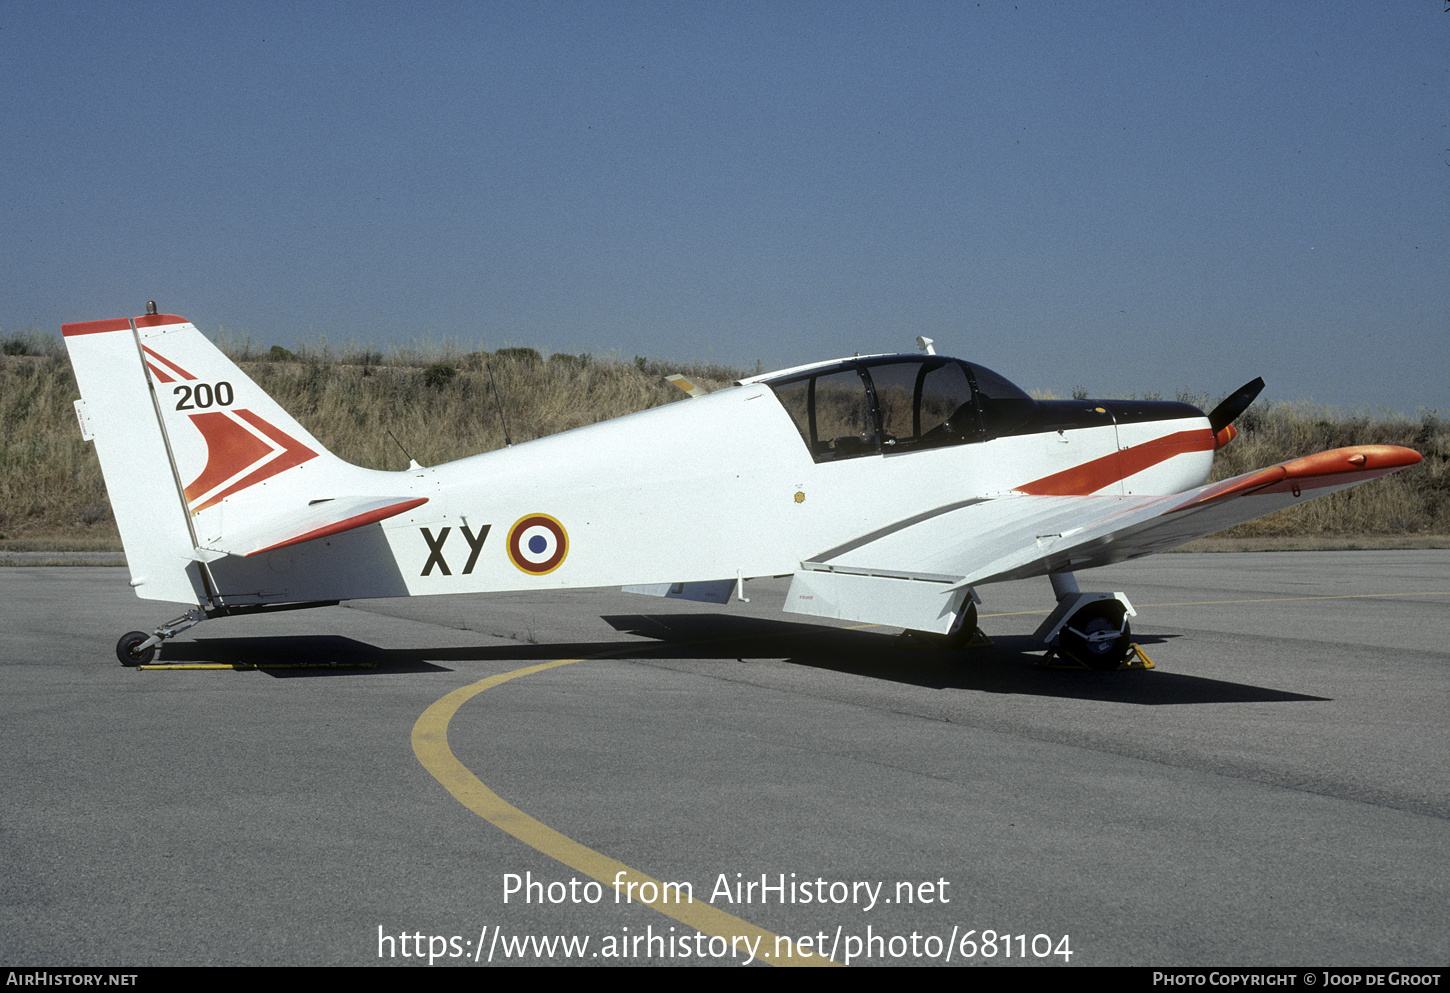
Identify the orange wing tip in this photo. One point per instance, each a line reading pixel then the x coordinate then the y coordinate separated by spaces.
pixel 1356 459
pixel 361 520
pixel 1366 461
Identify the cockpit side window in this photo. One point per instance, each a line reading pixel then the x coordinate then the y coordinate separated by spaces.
pixel 924 404
pixel 948 414
pixel 896 390
pixel 841 416
pixel 795 397
pixel 833 413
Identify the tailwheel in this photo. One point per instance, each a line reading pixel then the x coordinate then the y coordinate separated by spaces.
pixel 1097 636
pixel 129 649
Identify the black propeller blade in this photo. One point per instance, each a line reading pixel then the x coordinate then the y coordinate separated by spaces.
pixel 1225 413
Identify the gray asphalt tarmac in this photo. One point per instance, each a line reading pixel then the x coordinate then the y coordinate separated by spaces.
pixel 1276 792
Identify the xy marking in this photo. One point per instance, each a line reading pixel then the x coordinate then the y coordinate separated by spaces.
pixel 435 548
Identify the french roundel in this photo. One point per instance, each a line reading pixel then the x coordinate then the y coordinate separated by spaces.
pixel 537 544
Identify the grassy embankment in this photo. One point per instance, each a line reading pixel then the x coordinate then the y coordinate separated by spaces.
pixel 438 402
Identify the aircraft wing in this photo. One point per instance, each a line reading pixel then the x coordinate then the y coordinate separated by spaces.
pixel 1017 535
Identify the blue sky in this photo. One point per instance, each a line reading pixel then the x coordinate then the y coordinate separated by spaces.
pixel 1126 197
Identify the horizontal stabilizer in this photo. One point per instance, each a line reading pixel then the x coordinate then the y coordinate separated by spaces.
pixel 320 519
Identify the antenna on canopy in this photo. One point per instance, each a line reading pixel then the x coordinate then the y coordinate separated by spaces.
pixel 924 344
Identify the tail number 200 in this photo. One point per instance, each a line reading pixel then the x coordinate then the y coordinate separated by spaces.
pixel 203 395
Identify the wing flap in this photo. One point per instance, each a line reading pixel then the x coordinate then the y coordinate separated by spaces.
pixel 913 602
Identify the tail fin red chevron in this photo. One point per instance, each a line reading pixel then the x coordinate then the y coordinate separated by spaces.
pixel 243 449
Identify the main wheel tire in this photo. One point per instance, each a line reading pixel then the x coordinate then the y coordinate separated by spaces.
pixel 130 653
pixel 958 638
pixel 1097 636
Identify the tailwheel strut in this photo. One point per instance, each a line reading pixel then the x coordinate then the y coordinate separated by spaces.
pixel 137 648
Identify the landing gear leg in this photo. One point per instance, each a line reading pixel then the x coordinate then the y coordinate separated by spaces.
pixel 1091 629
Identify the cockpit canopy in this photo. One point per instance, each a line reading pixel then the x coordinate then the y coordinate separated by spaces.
pixel 898 403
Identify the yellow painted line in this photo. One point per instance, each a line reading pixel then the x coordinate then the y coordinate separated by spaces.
pixel 430 744
pixel 163 666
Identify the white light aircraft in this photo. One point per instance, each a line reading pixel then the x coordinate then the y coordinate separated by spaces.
pixel 889 487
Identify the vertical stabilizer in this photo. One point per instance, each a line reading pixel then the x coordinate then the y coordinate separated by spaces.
pixel 190 447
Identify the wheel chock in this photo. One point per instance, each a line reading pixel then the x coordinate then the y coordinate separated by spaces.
pixel 978 639
pixel 1137 659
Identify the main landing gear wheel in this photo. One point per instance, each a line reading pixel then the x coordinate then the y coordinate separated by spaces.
pixel 130 653
pixel 1097 636
pixel 958 638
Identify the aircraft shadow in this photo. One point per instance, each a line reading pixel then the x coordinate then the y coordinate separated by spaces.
pixel 300 655
pixel 1009 665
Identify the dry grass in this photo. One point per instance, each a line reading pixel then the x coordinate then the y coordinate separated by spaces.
pixel 1409 502
pixel 50 479
pixel 441 409
pixel 438 400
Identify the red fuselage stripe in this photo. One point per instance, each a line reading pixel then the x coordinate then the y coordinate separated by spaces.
pixel 1091 476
